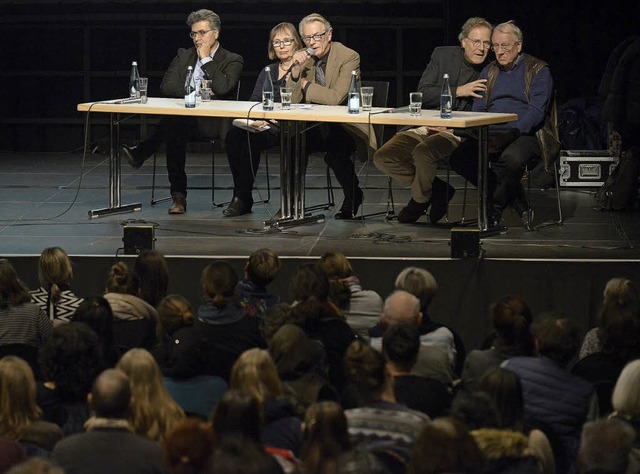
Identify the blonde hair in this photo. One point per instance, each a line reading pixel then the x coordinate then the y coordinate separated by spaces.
pixel 287 28
pixel 18 408
pixel 54 269
pixel 312 18
pixel 174 312
pixel 256 373
pixel 625 398
pixel 154 413
pixel 419 282
pixel 263 266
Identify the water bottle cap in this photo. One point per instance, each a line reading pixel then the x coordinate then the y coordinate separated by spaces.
pixel 446 76
pixel 134 63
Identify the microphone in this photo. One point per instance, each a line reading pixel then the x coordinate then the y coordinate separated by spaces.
pixel 309 52
pixel 131 100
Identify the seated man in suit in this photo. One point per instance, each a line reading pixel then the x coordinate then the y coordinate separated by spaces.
pixel 324 78
pixel 209 61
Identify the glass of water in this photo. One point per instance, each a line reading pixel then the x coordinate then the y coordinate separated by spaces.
pixel 285 98
pixel 366 94
pixel 143 83
pixel 415 104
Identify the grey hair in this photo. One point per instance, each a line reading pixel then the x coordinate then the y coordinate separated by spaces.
pixel 402 306
pixel 205 15
pixel 419 282
pixel 314 17
pixel 605 445
pixel 510 27
pixel 470 24
pixel 625 398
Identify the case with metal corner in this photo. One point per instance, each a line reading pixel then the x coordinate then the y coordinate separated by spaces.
pixel 580 168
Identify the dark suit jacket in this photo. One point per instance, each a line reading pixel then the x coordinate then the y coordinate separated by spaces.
pixel 446 60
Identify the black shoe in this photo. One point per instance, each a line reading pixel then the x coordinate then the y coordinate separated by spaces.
pixel 412 212
pixel 238 207
pixel 133 155
pixel 525 213
pixel 349 208
pixel 494 215
pixel 441 195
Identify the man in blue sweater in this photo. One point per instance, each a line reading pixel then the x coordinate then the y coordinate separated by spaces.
pixel 516 83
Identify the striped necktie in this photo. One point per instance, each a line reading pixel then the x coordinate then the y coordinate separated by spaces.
pixel 321 79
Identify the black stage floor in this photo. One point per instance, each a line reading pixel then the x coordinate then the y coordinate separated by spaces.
pixel 556 267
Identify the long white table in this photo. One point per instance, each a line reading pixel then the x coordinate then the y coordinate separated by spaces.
pixel 292 123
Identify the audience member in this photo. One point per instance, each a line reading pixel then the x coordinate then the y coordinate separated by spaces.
pixel 361 308
pixel 379 422
pixel 134 320
pixel 255 373
pixel 209 61
pixel 96 313
pixel 238 455
pixel 327 445
pixel 445 446
pixel 71 360
pixel 188 448
pixel 422 284
pixel 37 465
pixel 11 453
pixel 433 360
pixel 553 396
pixel 320 318
pixel 54 296
pixel 626 397
pixel 154 412
pixel 20 416
pixel 273 319
pixel 153 272
pixel 261 268
pixel 511 319
pixel 605 448
pixel 109 445
pixel 400 345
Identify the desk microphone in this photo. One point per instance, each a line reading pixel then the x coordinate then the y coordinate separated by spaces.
pixel 131 100
pixel 309 51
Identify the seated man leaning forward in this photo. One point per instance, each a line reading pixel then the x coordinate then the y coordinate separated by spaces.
pixel 411 156
pixel 520 84
pixel 209 61
pixel 324 78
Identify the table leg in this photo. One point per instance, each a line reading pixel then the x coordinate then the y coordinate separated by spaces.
pixel 483 184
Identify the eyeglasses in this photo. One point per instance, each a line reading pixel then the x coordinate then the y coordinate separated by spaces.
pixel 480 43
pixel 316 37
pixel 506 47
pixel 284 42
pixel 201 33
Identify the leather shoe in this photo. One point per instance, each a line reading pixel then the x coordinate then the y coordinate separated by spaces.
pixel 525 213
pixel 237 207
pixel 133 156
pixel 179 205
pixel 440 197
pixel 412 212
pixel 350 206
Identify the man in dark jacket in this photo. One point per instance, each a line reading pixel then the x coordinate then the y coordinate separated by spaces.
pixel 209 61
pixel 411 156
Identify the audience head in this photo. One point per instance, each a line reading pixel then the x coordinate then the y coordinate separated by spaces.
pixel 255 373
pixel 263 265
pixel 619 319
pixel 122 280
pixel 605 446
pixel 293 353
pixel 557 338
pixel 72 359
pixel 445 446
pixel 475 409
pixel 219 280
pixel 326 436
pixel 401 344
pixel 240 455
pixel 11 454
pixel 153 272
pixel 401 307
pixel 626 393
pixel 110 395
pixel 339 271
pixel 237 413
pixel 174 312
pixel 273 319
pixel 54 271
pixel 504 388
pixel 188 448
pixel 511 319
pixel 37 465
pixel 366 369
pixel 12 291
pixel 308 282
pixel 287 29
pixel 419 282
pixel 96 313
pixel 18 408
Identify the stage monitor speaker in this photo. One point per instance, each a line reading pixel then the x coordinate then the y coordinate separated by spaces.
pixel 465 243
pixel 138 238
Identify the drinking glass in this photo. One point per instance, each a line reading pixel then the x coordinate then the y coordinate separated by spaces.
pixel 285 98
pixel 143 83
pixel 366 93
pixel 415 104
pixel 205 90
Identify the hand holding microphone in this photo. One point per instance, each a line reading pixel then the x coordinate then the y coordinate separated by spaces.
pixel 299 57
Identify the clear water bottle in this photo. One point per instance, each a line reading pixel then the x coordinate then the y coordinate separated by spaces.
pixel 267 90
pixel 445 99
pixel 353 101
pixel 189 90
pixel 134 88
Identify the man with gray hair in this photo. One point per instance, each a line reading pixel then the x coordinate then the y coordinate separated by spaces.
pixel 209 61
pixel 606 447
pixel 516 83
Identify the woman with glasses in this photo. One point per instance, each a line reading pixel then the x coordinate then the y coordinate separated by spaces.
pixel 244 148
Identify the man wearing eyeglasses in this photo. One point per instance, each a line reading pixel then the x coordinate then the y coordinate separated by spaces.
pixel 516 83
pixel 411 156
pixel 324 78
pixel 209 61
